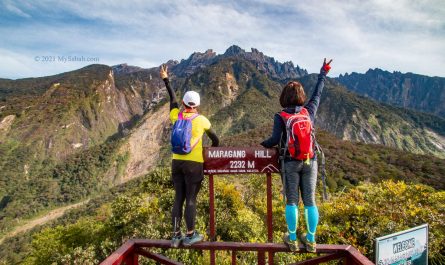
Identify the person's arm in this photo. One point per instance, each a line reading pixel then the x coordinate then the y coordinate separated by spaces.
pixel 212 135
pixel 164 75
pixel 277 130
pixel 314 101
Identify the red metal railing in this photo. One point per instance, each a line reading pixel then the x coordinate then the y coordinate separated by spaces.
pixel 263 163
pixel 129 252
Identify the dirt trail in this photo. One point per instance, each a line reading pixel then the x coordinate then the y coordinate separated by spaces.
pixel 54 214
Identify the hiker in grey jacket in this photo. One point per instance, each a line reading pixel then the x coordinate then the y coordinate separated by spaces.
pixel 299 174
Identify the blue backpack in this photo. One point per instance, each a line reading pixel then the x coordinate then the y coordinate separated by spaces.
pixel 182 135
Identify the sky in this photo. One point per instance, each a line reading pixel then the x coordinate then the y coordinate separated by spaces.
pixel 46 37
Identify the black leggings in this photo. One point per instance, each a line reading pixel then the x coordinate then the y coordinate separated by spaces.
pixel 187 177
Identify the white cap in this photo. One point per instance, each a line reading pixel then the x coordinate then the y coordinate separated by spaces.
pixel 191 99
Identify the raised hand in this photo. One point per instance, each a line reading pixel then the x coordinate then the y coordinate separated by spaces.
pixel 326 67
pixel 164 71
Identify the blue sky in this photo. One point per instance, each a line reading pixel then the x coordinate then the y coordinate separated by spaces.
pixel 397 35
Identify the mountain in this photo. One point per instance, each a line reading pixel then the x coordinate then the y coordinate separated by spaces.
pixel 59 135
pixel 265 64
pixel 356 118
pixel 242 97
pixel 71 111
pixel 417 92
pixel 68 136
pixel 73 136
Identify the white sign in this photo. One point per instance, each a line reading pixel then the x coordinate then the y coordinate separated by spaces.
pixel 409 247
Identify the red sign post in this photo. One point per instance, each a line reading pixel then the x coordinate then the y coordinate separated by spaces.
pixel 240 160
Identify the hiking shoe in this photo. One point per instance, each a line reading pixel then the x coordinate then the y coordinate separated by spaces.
pixel 291 244
pixel 176 240
pixel 192 239
pixel 310 246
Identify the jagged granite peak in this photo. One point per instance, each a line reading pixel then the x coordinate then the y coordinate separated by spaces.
pixel 199 57
pixel 265 64
pixel 172 62
pixel 234 50
pixel 208 54
pixel 197 60
pixel 408 90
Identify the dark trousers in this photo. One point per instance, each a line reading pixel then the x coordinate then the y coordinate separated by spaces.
pixel 300 177
pixel 187 177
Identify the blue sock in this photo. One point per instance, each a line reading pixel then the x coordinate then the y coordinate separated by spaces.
pixel 311 213
pixel 292 220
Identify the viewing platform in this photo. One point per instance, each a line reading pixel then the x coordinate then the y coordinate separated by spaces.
pixel 232 160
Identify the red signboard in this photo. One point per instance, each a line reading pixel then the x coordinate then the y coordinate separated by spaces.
pixel 240 160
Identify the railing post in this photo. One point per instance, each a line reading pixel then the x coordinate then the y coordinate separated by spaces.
pixel 269 216
pixel 269 208
pixel 132 259
pixel 233 257
pixel 261 257
pixel 212 217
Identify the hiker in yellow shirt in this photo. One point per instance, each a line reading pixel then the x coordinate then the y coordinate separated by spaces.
pixel 187 160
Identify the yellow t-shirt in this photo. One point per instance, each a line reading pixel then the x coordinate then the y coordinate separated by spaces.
pixel 199 125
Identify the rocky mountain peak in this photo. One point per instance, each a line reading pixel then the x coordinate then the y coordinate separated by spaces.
pixel 270 66
pixel 263 63
pixel 196 61
pixel 407 90
pixel 172 62
pixel 199 56
pixel 234 50
pixel 125 69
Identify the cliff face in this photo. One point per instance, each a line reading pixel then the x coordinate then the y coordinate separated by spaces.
pixel 77 110
pixel 144 143
pixel 417 92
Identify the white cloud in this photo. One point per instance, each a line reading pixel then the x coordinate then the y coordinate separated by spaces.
pixel 403 35
pixel 14 9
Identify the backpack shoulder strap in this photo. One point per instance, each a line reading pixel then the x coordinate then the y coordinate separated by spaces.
pixel 181 116
pixel 304 111
pixel 284 116
pixel 194 116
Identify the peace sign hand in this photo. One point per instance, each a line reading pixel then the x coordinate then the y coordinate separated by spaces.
pixel 326 67
pixel 164 71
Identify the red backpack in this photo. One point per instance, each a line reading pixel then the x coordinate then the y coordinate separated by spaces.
pixel 299 134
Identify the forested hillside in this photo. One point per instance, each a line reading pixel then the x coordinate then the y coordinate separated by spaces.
pixel 355 216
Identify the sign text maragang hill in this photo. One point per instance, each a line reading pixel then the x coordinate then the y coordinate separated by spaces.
pixel 240 160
